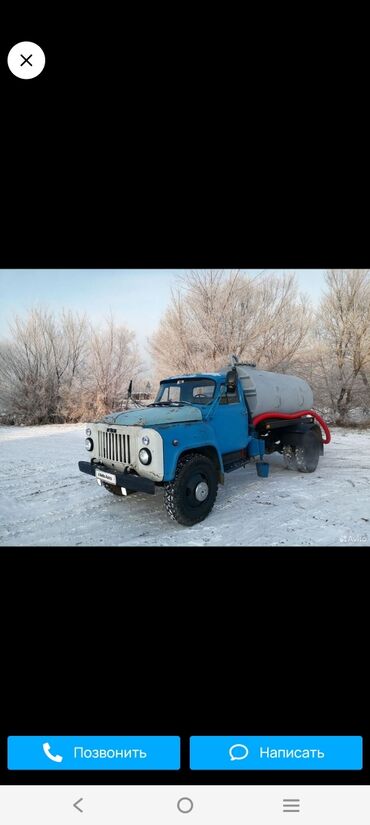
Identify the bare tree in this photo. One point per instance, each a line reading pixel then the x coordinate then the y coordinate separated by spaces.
pixel 40 363
pixel 61 369
pixel 215 312
pixel 113 361
pixel 343 342
pixel 31 367
pixel 75 331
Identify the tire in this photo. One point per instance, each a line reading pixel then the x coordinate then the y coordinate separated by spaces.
pixel 191 495
pixel 289 457
pixel 113 488
pixel 304 457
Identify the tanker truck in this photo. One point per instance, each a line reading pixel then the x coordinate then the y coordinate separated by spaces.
pixel 199 428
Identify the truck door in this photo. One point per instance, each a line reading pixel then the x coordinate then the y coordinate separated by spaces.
pixel 230 422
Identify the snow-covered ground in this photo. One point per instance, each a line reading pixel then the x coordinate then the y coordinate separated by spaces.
pixel 45 500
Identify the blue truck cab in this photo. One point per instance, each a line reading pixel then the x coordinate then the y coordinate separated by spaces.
pixel 198 429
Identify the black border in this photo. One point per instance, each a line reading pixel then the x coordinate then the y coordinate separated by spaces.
pixel 301 656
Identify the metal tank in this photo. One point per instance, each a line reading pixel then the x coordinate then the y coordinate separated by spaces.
pixel 273 392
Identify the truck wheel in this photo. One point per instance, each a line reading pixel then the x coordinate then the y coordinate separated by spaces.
pixel 113 488
pixel 190 497
pixel 289 457
pixel 304 457
pixel 307 455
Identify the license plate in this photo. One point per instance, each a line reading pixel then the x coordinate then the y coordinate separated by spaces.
pixel 110 478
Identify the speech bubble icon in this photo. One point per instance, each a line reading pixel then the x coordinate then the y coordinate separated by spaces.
pixel 235 757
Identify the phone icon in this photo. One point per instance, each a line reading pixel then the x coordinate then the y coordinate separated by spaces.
pixel 46 749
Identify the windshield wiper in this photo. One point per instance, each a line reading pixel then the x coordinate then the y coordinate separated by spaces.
pixel 168 403
pixel 160 404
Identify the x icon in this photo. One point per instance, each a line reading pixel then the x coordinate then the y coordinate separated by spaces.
pixel 26 59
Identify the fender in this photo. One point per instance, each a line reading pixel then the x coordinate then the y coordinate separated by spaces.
pixel 180 439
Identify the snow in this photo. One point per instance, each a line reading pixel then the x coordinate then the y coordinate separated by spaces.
pixel 45 500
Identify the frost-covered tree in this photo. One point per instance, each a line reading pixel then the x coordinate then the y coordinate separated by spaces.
pixel 113 361
pixel 57 369
pixel 39 363
pixel 342 346
pixel 217 312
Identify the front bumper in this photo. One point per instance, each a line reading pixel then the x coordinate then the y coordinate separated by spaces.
pixel 125 479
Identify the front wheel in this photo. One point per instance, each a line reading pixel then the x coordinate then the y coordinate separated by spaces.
pixel 190 497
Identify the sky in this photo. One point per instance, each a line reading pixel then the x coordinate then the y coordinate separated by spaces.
pixel 137 297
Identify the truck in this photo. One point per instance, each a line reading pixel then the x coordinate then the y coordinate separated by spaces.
pixel 201 427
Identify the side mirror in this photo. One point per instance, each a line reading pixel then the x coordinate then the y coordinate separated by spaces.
pixel 129 393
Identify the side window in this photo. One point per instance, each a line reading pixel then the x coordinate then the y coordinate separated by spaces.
pixel 233 398
pixel 230 398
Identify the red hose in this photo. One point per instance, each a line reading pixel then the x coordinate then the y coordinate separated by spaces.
pixel 264 416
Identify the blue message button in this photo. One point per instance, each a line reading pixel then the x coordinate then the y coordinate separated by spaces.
pixel 261 753
pixel 76 753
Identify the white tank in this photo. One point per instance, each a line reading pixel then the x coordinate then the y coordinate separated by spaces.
pixel 273 392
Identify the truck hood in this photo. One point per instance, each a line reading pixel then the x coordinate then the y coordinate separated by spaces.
pixel 150 416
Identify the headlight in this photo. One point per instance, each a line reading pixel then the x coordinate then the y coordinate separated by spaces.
pixel 145 456
pixel 88 431
pixel 89 444
pixel 146 440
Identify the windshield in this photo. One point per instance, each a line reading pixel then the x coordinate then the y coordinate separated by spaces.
pixel 187 391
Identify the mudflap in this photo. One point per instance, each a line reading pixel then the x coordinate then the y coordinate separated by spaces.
pixel 295 435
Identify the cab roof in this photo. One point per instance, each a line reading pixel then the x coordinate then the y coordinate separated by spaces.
pixel 215 376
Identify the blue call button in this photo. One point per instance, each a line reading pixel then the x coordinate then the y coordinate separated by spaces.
pixel 275 753
pixel 76 753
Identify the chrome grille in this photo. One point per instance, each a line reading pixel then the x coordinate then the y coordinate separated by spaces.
pixel 114 447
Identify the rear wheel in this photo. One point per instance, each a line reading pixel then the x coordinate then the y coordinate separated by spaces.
pixel 190 497
pixel 305 456
pixel 289 457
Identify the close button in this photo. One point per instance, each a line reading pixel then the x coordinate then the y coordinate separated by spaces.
pixel 26 60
